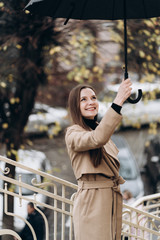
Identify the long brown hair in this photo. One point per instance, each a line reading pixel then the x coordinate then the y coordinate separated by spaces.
pixel 74 109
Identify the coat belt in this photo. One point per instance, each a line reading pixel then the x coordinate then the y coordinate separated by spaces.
pixel 112 183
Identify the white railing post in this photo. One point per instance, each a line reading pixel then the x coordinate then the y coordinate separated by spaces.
pixel 55 214
pixel 20 191
pixel 63 215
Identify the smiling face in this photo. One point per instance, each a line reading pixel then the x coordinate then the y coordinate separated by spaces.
pixel 88 103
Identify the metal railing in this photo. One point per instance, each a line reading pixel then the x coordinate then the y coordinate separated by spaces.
pixel 53 199
pixel 141 221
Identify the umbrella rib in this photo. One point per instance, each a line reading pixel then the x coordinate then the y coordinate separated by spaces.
pixel 113 9
pixel 144 7
pixel 84 4
pixel 54 11
pixel 70 13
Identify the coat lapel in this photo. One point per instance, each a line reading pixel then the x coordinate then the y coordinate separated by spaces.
pixel 111 150
pixel 111 162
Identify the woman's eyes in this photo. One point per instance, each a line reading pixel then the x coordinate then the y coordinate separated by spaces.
pixel 85 99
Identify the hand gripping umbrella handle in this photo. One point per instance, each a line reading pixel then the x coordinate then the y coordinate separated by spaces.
pixel 130 100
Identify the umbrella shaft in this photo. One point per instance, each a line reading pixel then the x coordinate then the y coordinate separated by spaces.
pixel 125 42
pixel 125 49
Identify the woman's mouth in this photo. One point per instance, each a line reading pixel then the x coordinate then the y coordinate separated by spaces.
pixel 91 109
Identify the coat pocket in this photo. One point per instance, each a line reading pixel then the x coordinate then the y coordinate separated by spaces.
pixel 86 201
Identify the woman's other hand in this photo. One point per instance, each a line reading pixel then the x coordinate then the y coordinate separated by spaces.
pixel 124 92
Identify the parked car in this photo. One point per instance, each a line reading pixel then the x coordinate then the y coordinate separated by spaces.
pixel 142 113
pixel 128 168
pixel 46 120
pixel 38 161
pixel 152 153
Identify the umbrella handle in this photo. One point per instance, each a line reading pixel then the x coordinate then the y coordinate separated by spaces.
pixel 130 100
pixel 133 101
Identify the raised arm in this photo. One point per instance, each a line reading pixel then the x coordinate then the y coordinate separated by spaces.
pixel 80 139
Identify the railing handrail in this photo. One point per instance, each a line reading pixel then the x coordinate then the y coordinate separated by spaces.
pixel 140 211
pixel 62 204
pixel 38 172
pixel 146 198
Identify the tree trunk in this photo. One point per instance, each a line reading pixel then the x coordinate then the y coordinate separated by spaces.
pixel 8 222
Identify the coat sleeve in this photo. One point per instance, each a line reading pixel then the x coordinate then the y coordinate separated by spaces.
pixel 79 139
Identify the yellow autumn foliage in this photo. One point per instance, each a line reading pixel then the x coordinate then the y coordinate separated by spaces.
pixel 18 46
pixel 5 125
pixel 3 84
pixel 142 54
pixel 12 100
pixel 55 50
pixel 1 4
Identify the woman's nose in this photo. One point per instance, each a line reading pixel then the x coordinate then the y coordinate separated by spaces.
pixel 90 101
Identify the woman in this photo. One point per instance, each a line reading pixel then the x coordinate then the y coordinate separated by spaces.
pixel 97 211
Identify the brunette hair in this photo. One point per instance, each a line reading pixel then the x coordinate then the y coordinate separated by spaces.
pixel 129 194
pixel 74 109
pixel 31 204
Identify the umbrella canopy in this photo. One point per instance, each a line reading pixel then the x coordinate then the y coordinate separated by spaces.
pixel 98 9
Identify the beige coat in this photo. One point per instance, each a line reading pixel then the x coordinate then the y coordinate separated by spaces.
pixel 98 202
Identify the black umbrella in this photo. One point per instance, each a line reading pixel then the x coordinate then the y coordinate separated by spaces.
pixel 98 9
